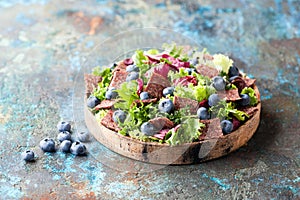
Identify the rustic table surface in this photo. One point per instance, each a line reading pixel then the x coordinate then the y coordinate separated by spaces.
pixel 44 45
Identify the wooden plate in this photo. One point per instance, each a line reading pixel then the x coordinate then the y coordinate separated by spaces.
pixel 188 153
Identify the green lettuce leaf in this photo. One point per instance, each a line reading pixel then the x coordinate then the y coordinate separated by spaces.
pixel 222 62
pixel 187 132
pixel 251 93
pixel 175 51
pixel 106 75
pixel 127 95
pixel 224 109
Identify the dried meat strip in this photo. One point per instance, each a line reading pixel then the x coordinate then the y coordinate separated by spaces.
pixel 118 78
pixel 109 123
pixel 249 110
pixel 180 102
pixel 91 82
pixel 105 104
pixel 230 95
pixel 161 123
pixel 120 67
pixel 212 129
pixel 207 71
pixel 156 84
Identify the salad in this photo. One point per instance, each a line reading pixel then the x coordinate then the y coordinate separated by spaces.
pixel 176 95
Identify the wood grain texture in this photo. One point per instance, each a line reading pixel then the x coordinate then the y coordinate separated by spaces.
pixel 188 153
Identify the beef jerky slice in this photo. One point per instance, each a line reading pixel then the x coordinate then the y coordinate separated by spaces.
pixel 156 84
pixel 145 101
pixel 105 104
pixel 181 102
pixel 207 71
pixel 161 123
pixel 120 67
pixel 118 78
pixel 91 82
pixel 249 110
pixel 109 123
pixel 212 129
pixel 230 95
pixel 249 82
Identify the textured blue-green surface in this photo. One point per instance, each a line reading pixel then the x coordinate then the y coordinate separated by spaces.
pixel 43 47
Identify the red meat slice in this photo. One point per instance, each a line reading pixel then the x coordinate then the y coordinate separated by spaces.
pixel 91 82
pixel 156 84
pixel 108 122
pixel 180 102
pixel 120 67
pixel 230 95
pixel 207 71
pixel 249 110
pixel 105 104
pixel 161 123
pixel 212 129
pixel 119 77
pixel 249 82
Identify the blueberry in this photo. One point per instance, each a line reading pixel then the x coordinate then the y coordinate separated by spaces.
pixel 148 129
pixel 65 146
pixel 213 99
pixel 78 149
pixel 132 76
pixel 111 93
pixel 64 126
pixel 144 96
pixel 132 68
pixel 245 101
pixel 168 91
pixel 28 155
pixel 47 145
pixel 119 116
pixel 64 135
pixel 233 71
pixel 189 70
pixel 219 83
pixel 226 126
pixel 202 113
pixel 92 101
pixel 194 61
pixel 83 136
pixel 166 106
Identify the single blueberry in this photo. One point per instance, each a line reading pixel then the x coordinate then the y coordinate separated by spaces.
pixel 65 146
pixel 202 113
pixel 233 71
pixel 219 83
pixel 189 70
pixel 111 93
pixel 64 135
pixel 226 126
pixel 213 99
pixel 166 106
pixel 168 91
pixel 119 116
pixel 148 129
pixel 92 101
pixel 47 145
pixel 28 155
pixel 64 126
pixel 194 61
pixel 245 101
pixel 78 149
pixel 83 136
pixel 132 68
pixel 132 76
pixel 144 96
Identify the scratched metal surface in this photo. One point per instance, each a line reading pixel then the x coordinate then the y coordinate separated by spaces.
pixel 43 45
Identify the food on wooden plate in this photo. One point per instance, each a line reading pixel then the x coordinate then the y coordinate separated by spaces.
pixel 178 98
